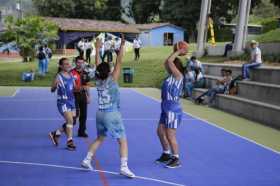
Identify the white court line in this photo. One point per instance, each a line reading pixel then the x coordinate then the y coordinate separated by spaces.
pixel 16 92
pixel 90 119
pixel 82 169
pixel 213 124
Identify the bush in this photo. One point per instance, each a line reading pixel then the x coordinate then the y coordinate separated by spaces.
pixel 271 36
pixel 269 24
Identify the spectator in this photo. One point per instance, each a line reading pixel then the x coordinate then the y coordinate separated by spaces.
pixel 229 46
pixel 81 47
pixel 256 60
pixel 136 46
pixel 188 83
pixel 108 47
pixel 220 88
pixel 117 45
pixel 88 48
pixel 195 63
pixel 41 61
pixel 199 80
pixel 48 54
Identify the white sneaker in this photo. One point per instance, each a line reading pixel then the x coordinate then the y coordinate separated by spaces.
pixel 126 172
pixel 87 164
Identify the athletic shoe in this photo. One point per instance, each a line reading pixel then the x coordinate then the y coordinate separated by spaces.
pixel 70 145
pixel 86 163
pixel 54 138
pixel 173 163
pixel 83 135
pixel 164 158
pixel 126 172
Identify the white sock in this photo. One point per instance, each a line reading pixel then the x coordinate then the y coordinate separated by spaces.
pixel 166 151
pixel 70 138
pixel 123 161
pixel 176 155
pixel 89 156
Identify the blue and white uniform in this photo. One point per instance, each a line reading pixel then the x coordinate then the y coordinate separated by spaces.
pixel 171 111
pixel 65 95
pixel 108 116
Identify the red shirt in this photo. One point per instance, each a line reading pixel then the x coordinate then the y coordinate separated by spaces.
pixel 78 82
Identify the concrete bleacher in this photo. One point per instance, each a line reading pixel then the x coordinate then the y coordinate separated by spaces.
pixel 258 99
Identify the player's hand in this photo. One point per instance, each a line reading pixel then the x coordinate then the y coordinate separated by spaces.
pixel 122 39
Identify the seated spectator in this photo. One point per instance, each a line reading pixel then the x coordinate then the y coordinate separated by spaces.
pixel 199 80
pixel 256 60
pixel 189 80
pixel 220 88
pixel 194 63
pixel 228 48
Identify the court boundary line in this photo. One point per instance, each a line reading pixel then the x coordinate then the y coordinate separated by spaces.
pixel 215 125
pixel 89 119
pixel 82 169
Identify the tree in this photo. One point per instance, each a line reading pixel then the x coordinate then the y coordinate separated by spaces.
pixel 276 2
pixel 29 32
pixel 186 13
pixel 145 11
pixel 86 9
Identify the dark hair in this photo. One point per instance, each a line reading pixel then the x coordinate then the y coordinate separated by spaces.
pixel 223 70
pixel 102 71
pixel 179 65
pixel 40 48
pixel 60 62
pixel 229 71
pixel 193 58
pixel 79 58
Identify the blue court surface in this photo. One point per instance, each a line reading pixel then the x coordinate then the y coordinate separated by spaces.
pixel 210 156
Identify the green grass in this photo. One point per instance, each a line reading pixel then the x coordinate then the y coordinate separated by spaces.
pixel 7 91
pixel 271 36
pixel 148 72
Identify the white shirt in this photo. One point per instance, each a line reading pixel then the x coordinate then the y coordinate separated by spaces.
pixel 117 44
pixel 256 55
pixel 137 43
pixel 108 45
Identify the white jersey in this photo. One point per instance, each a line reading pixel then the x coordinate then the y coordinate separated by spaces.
pixel 256 55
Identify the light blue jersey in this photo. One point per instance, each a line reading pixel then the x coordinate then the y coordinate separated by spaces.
pixel 108 95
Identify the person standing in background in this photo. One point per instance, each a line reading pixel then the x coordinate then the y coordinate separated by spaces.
pixel 88 47
pixel 48 54
pixel 136 46
pixel 82 94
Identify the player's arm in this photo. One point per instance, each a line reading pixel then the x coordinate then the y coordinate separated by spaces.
pixel 54 85
pixel 97 50
pixel 117 69
pixel 170 66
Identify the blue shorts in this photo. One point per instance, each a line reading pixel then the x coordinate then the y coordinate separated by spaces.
pixel 65 107
pixel 110 123
pixel 171 120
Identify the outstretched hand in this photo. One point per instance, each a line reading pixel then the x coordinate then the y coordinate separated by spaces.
pixel 122 40
pixel 98 43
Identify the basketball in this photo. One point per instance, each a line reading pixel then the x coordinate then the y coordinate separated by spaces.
pixel 181 45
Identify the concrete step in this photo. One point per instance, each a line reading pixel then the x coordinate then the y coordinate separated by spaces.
pixel 264 113
pixel 267 93
pixel 264 92
pixel 263 74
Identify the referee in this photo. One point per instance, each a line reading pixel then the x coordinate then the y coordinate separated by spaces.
pixel 82 94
